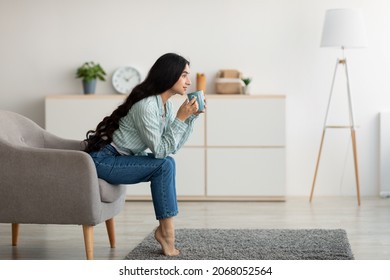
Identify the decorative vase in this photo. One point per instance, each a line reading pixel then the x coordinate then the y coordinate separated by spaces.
pixel 89 86
pixel 200 82
pixel 247 89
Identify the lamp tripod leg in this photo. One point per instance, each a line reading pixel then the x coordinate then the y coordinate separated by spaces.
pixel 324 129
pixel 317 165
pixel 353 135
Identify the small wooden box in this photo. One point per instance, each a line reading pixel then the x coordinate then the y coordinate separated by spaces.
pixel 229 82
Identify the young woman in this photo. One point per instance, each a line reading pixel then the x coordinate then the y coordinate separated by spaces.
pixel 146 121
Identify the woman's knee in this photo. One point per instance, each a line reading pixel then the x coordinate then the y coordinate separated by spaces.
pixel 169 164
pixel 171 161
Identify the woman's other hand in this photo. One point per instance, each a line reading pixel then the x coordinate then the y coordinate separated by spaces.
pixel 188 108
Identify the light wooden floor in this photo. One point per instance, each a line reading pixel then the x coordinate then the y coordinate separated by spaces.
pixel 367 226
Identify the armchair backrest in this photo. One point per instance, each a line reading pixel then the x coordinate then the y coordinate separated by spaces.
pixel 18 130
pixel 46 179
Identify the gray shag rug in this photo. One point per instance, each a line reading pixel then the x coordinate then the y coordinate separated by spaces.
pixel 250 244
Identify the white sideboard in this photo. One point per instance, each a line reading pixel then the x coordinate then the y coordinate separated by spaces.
pixel 236 152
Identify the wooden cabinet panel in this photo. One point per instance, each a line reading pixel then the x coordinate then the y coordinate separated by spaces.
pixel 245 172
pixel 190 172
pixel 71 118
pixel 246 122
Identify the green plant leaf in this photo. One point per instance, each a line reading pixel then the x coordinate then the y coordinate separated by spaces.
pixel 89 71
pixel 247 81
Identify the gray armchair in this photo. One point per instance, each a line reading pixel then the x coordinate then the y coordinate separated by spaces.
pixel 45 179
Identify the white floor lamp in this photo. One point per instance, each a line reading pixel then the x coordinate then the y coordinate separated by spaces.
pixel 343 28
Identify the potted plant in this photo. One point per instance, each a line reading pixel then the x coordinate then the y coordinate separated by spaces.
pixel 89 72
pixel 246 81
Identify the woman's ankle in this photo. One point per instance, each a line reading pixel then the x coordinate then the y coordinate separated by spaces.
pixel 167 242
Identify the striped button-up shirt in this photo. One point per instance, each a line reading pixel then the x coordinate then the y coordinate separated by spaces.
pixel 148 126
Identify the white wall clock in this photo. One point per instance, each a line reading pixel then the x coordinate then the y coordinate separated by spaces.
pixel 125 79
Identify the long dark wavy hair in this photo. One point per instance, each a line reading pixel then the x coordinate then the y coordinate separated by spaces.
pixel 162 76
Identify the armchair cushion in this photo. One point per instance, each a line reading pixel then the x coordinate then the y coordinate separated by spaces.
pixel 108 193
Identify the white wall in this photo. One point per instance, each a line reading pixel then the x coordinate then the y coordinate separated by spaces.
pixel 274 41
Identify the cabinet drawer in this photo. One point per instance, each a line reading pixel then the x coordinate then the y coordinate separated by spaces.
pixel 246 122
pixel 246 172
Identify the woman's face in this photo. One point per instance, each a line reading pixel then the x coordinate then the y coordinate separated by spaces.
pixel 180 87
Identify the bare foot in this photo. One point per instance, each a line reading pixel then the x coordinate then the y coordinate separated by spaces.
pixel 167 243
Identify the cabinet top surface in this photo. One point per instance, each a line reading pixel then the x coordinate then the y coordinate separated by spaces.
pixel 118 96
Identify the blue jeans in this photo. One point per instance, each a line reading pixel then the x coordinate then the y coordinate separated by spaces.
pixel 122 169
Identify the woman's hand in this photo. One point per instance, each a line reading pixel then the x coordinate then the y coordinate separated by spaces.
pixel 186 109
pixel 204 110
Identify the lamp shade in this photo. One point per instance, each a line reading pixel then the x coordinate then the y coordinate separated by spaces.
pixel 344 28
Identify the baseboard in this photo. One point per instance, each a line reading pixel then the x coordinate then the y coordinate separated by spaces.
pixel 385 194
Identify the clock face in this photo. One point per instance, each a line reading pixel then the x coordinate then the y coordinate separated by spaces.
pixel 125 79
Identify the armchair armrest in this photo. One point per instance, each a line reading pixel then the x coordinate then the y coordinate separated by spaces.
pixel 52 141
pixel 48 186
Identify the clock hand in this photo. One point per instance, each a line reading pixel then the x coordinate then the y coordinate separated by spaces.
pixel 134 78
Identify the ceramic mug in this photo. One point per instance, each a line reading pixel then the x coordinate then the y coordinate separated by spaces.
pixel 199 98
